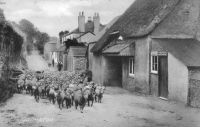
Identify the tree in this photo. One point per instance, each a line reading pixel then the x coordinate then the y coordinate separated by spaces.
pixel 72 42
pixel 27 27
pixel 10 53
pixel 34 36
pixel 41 40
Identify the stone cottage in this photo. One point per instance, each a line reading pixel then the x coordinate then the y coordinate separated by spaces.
pixel 155 44
pixel 75 59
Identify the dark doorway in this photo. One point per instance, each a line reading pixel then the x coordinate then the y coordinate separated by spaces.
pixel 163 76
pixel 114 71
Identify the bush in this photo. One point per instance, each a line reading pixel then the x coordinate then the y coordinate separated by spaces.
pixel 7 89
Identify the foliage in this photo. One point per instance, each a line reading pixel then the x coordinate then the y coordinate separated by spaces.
pixel 41 39
pixel 7 88
pixel 10 47
pixel 63 32
pixel 72 42
pixel 34 36
pixel 27 27
pixel 10 52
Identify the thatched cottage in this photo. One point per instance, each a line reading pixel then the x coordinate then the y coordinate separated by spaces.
pixel 153 48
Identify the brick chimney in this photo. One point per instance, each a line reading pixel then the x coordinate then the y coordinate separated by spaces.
pixel 96 19
pixel 81 22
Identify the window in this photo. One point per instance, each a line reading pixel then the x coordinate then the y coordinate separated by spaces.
pixel 131 66
pixel 154 64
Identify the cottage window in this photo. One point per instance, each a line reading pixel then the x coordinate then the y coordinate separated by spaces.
pixel 131 66
pixel 154 64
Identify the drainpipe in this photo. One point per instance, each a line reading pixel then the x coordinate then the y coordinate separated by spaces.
pixel 149 41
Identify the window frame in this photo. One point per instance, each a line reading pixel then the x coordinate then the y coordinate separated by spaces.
pixel 131 63
pixel 154 62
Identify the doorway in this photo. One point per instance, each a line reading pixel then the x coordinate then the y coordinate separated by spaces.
pixel 163 76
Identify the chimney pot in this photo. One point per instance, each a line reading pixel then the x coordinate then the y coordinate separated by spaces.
pixel 96 20
pixel 81 22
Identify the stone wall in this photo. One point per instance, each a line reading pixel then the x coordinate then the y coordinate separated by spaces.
pixel 79 63
pixel 194 87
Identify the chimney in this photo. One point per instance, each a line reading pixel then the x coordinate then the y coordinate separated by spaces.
pixel 96 20
pixel 81 22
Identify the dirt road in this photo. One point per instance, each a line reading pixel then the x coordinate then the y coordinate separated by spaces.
pixel 36 62
pixel 119 109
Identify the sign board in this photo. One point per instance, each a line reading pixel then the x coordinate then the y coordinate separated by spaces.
pixel 162 53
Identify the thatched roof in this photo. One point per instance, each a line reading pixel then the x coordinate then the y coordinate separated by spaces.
pixel 102 32
pixel 183 21
pixel 186 50
pixel 139 19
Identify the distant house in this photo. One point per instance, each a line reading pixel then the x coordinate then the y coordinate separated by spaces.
pixel 85 33
pixel 153 48
pixel 51 51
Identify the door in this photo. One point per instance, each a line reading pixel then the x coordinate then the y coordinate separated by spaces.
pixel 163 76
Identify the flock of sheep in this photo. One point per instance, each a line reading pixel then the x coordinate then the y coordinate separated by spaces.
pixel 65 88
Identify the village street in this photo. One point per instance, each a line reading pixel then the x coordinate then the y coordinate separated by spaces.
pixel 141 57
pixel 36 62
pixel 118 109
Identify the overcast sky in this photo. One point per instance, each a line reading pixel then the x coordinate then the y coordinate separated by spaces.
pixel 52 16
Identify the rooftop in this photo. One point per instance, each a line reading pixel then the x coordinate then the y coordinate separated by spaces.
pixel 138 20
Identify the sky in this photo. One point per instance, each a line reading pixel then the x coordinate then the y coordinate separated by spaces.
pixel 53 16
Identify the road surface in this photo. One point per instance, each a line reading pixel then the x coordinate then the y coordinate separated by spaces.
pixel 36 62
pixel 118 109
